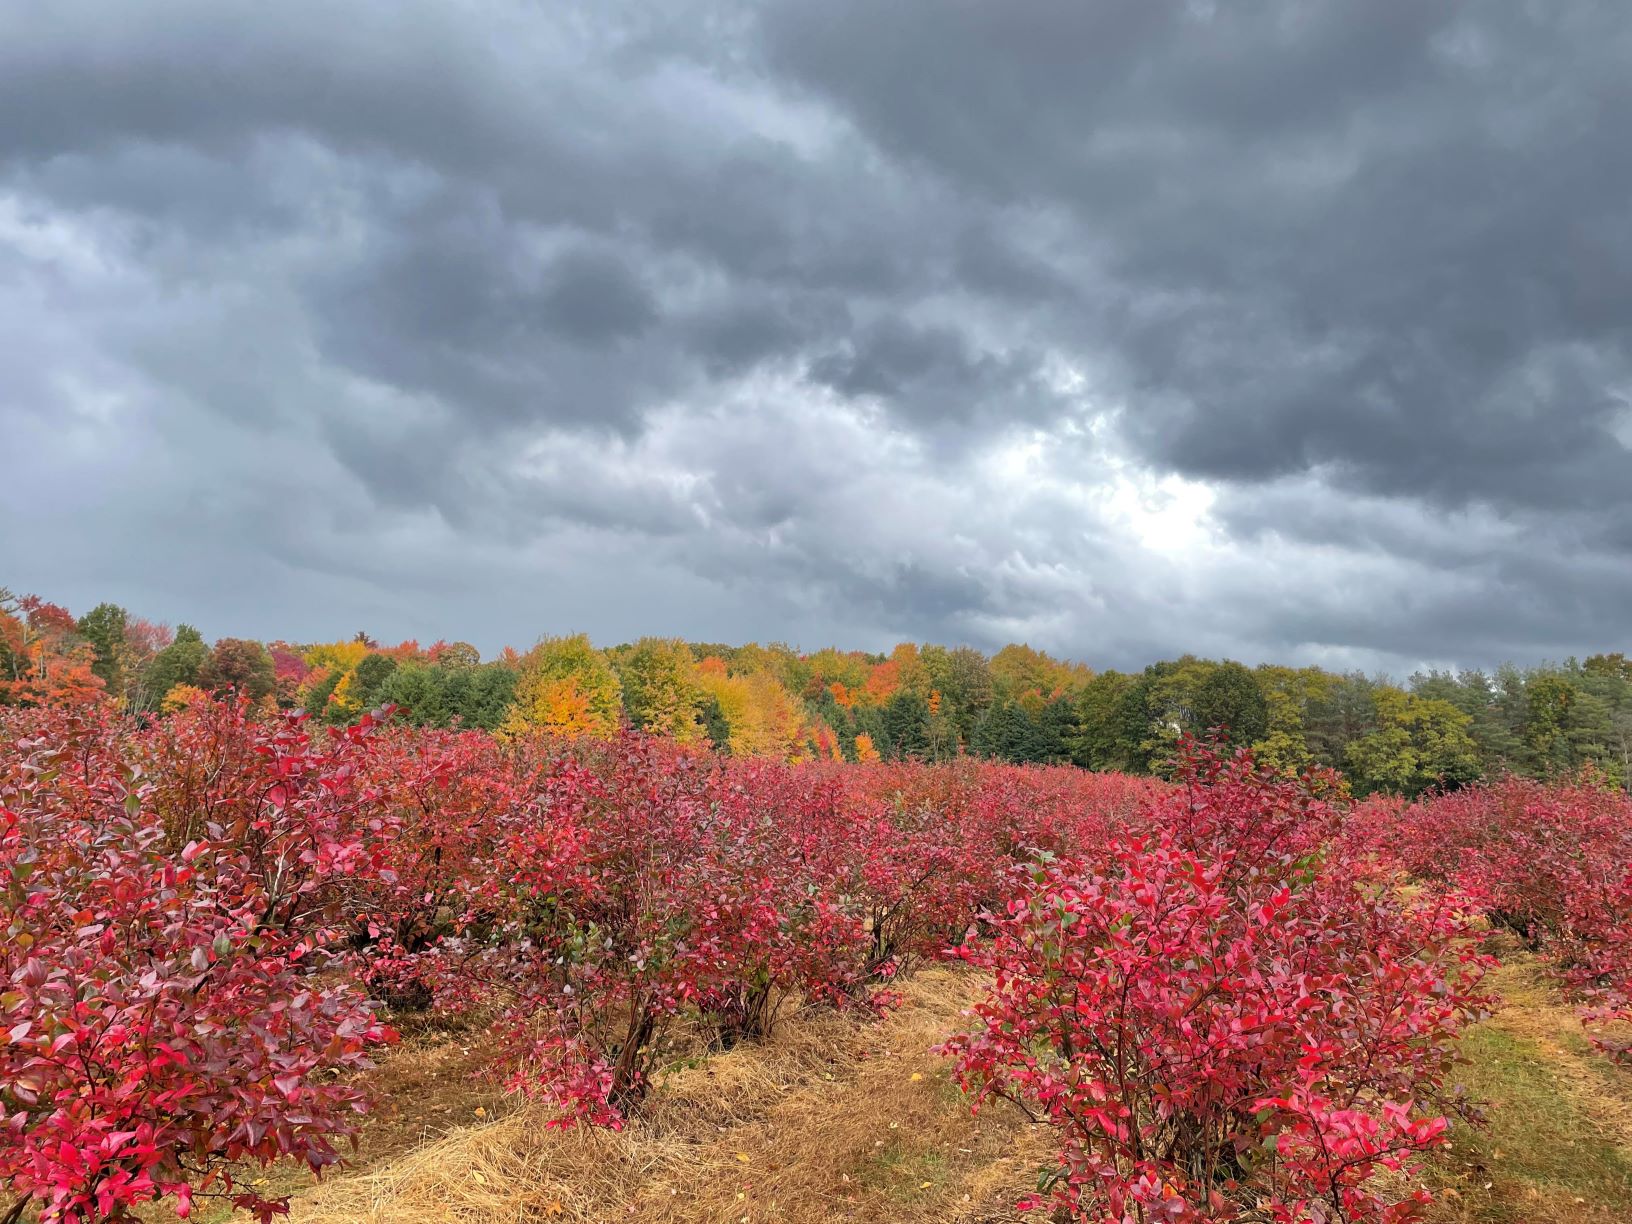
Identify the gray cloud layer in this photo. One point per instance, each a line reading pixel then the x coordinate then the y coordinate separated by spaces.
pixel 1293 331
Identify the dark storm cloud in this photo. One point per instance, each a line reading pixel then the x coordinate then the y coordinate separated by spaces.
pixel 1389 238
pixel 930 375
pixel 1275 330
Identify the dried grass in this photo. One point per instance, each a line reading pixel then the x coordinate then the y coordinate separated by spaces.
pixel 833 1119
pixel 837 1119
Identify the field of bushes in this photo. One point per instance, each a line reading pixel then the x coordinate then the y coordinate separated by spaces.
pixel 654 980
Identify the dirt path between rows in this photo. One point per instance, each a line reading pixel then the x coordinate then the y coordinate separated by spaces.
pixel 831 1120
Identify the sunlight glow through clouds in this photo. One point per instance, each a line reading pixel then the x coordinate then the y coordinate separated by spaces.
pixel 1164 513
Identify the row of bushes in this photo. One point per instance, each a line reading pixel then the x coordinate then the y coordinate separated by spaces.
pixel 1550 863
pixel 202 915
pixel 1215 990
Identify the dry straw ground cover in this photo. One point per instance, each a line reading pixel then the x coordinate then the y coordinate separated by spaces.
pixel 833 1119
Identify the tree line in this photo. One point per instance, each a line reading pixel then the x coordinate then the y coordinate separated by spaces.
pixel 927 702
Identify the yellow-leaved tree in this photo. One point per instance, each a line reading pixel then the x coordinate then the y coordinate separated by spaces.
pixel 763 718
pixel 343 701
pixel 327 688
pixel 181 696
pixel 337 656
pixel 566 687
pixel 730 696
pixel 1019 671
pixel 775 725
pixel 660 688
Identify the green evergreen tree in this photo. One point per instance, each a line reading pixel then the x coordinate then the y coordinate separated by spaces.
pixel 104 628
pixel 1099 741
pixel 715 725
pixel 368 681
pixel 905 727
pixel 416 689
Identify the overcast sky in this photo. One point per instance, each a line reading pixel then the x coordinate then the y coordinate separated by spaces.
pixel 1291 332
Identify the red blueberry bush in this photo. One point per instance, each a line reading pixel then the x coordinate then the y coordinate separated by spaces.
pixel 1601 969
pixel 1551 863
pixel 931 847
pixel 642 884
pixel 161 1014
pixel 1220 1023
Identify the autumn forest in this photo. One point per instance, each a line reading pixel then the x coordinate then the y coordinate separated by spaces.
pixel 920 701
